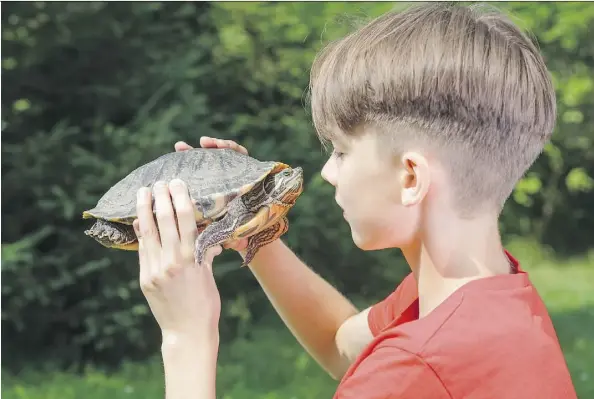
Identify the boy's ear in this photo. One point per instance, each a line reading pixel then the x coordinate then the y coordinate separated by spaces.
pixel 415 178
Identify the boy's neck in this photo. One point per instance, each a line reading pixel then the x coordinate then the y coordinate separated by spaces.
pixel 443 261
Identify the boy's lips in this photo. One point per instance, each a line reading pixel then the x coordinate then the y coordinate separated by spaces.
pixel 340 206
pixel 338 203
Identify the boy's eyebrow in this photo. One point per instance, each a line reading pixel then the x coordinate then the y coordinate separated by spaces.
pixel 339 139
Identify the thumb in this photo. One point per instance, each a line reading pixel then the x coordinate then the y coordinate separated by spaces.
pixel 211 253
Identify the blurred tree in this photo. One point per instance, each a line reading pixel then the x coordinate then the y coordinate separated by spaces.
pixel 554 201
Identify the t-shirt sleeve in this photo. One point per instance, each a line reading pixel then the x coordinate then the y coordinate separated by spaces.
pixel 392 373
pixel 383 313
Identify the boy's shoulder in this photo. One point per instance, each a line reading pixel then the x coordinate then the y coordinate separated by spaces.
pixel 497 321
pixel 491 338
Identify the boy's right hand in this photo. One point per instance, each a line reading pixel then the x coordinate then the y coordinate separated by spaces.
pixel 209 142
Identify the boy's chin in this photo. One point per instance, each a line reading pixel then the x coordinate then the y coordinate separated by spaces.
pixel 371 242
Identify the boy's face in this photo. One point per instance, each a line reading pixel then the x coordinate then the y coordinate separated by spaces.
pixel 371 190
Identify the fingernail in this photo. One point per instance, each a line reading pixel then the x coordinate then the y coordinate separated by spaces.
pixel 142 194
pixel 160 185
pixel 176 184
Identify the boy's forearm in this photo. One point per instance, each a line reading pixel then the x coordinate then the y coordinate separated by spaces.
pixel 311 308
pixel 190 368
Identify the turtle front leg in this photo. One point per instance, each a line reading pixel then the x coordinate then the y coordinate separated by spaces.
pixel 220 231
pixel 263 238
pixel 214 234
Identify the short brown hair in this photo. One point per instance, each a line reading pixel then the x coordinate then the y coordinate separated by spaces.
pixel 451 77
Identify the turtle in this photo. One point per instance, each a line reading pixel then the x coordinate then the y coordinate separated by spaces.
pixel 234 195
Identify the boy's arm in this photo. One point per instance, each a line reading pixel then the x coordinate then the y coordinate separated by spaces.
pixel 353 336
pixel 190 368
pixel 324 322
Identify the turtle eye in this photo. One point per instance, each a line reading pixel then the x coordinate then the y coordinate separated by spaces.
pixel 286 172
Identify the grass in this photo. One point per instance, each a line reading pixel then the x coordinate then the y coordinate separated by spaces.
pixel 273 365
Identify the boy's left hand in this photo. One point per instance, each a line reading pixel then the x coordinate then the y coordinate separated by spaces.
pixel 182 295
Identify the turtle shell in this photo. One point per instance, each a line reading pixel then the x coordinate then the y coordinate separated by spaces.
pixel 214 177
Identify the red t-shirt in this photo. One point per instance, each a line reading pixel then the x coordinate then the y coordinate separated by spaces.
pixel 492 338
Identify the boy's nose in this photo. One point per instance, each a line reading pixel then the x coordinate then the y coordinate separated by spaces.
pixel 329 172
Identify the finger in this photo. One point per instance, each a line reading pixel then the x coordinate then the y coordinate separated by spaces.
pixel 186 220
pixel 148 229
pixel 146 283
pixel 208 142
pixel 182 146
pixel 167 224
pixel 222 143
pixel 144 274
pixel 234 146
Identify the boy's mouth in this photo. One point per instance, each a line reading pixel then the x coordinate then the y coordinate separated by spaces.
pixel 338 202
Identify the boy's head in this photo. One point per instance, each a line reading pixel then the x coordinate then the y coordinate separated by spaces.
pixel 439 104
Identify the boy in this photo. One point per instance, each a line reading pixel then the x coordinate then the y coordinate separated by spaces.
pixel 434 114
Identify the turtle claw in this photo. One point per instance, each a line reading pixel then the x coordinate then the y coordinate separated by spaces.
pixel 198 256
pixel 249 256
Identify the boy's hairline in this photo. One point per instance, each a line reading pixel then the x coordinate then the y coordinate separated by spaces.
pixel 396 138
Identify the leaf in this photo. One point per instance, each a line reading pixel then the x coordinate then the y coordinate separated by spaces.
pixel 21 105
pixel 578 181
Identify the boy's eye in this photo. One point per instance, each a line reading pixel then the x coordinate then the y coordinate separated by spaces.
pixel 338 154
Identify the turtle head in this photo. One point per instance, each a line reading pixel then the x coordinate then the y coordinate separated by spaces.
pixel 288 185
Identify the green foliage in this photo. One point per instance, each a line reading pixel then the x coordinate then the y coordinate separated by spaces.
pixel 92 90
pixel 271 364
pixel 81 111
pixel 565 170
